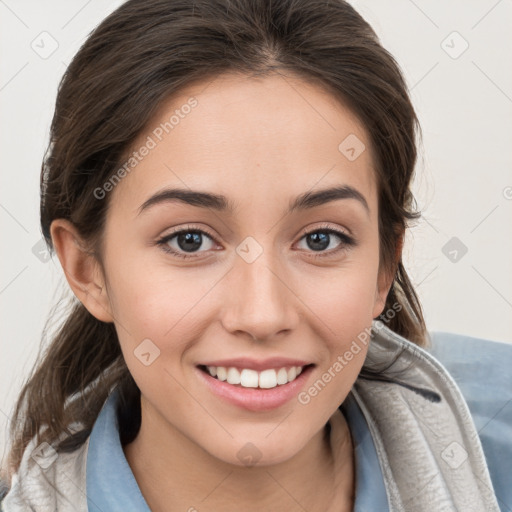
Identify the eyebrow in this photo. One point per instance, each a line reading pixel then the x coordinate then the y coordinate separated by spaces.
pixel 223 204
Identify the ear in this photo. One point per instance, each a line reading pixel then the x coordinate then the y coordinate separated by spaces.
pixel 81 268
pixel 385 281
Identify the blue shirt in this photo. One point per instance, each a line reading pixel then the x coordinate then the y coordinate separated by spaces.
pixel 482 369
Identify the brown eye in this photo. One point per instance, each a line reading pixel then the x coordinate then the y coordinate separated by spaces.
pixel 327 241
pixel 185 242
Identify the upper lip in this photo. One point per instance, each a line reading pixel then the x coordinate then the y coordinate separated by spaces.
pixel 253 364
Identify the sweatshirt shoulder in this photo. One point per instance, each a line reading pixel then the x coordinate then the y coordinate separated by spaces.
pixel 483 371
pixel 477 365
pixel 48 479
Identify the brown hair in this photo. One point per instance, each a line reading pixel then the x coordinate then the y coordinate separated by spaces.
pixel 143 53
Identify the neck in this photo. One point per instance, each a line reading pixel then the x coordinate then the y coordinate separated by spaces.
pixel 177 474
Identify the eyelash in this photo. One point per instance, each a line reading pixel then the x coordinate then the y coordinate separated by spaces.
pixel 346 241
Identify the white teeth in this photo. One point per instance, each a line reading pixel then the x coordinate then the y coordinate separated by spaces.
pixel 233 376
pixel 249 378
pixel 282 376
pixel 265 379
pixel 268 379
pixel 221 373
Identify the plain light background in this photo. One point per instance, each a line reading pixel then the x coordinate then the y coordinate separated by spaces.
pixel 456 58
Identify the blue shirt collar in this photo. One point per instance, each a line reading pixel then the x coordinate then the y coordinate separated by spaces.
pixel 370 489
pixel 110 481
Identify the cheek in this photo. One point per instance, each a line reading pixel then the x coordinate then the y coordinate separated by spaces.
pixel 343 297
pixel 345 328
pixel 159 306
pixel 167 306
pixel 343 302
pixel 148 296
pixel 346 313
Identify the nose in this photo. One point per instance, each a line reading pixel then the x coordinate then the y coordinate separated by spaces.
pixel 260 298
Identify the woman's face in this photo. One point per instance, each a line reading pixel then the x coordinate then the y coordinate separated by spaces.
pixel 255 275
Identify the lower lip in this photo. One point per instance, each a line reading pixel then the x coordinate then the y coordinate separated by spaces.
pixel 256 399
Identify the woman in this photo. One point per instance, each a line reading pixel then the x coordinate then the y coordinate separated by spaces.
pixel 276 363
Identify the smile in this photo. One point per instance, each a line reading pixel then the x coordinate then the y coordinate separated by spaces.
pixel 248 378
pixel 255 390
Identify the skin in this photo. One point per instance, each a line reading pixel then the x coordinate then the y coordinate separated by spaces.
pixel 260 142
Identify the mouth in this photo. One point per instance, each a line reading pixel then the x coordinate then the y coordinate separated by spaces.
pixel 248 378
pixel 255 390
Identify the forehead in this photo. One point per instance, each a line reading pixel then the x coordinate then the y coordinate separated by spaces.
pixel 242 137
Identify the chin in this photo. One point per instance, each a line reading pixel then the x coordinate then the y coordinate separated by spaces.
pixel 259 452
